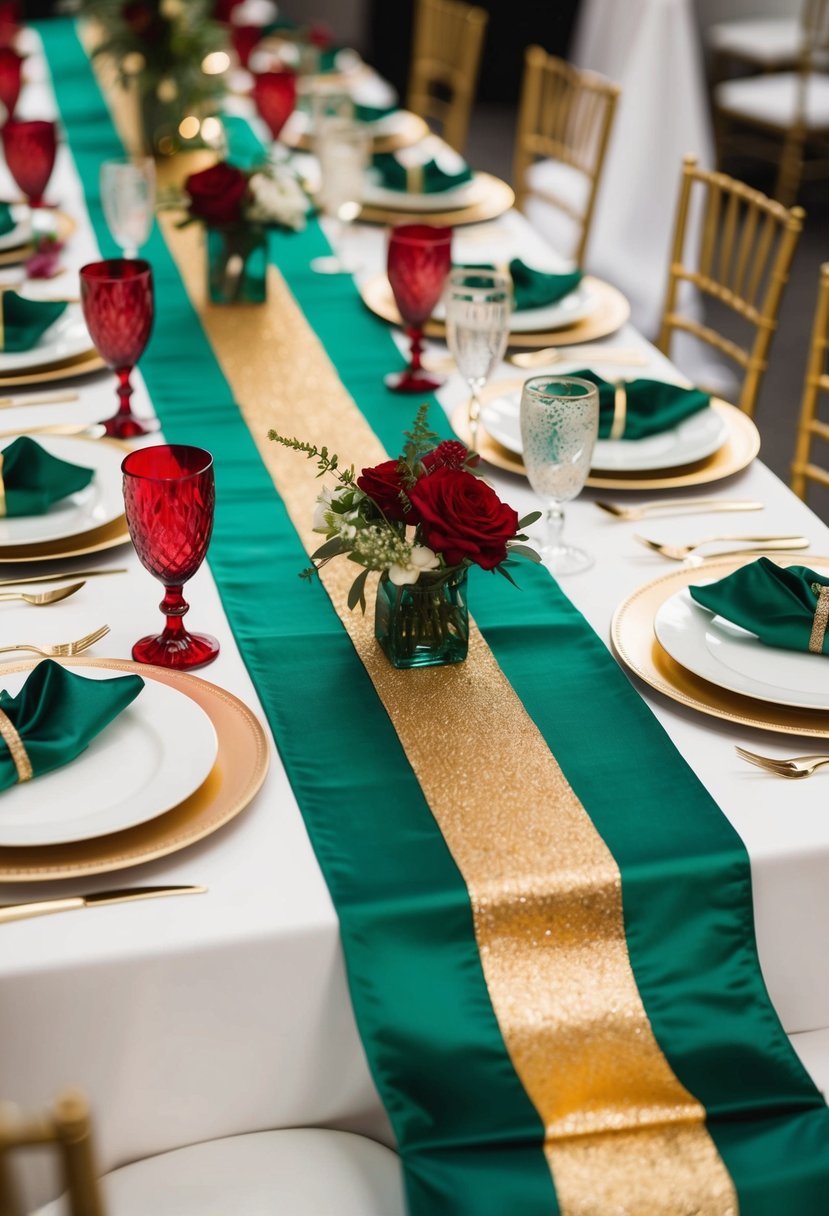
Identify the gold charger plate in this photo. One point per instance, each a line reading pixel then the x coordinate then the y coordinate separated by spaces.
pixel 497 198
pixel 67 369
pixel 610 313
pixel 738 451
pixel 237 775
pixel 635 645
pixel 412 129
pixel 64 227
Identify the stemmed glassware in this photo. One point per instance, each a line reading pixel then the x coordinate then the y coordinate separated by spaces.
pixel 11 78
pixel 342 148
pixel 117 300
pixel 478 307
pixel 169 495
pixel 419 259
pixel 559 425
pixel 274 93
pixel 128 199
pixel 30 149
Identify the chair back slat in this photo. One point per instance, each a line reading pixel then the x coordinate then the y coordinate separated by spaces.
pixel 446 58
pixel 811 427
pixel 67 1129
pixel 743 261
pixel 565 115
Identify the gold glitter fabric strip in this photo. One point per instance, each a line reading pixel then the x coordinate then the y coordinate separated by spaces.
pixel 8 732
pixel 2 490
pixel 620 411
pixel 622 1134
pixel 821 618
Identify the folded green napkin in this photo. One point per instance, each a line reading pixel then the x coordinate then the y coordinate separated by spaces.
pixel 328 58
pixel 652 405
pixel 25 321
pixel 7 222
pixel 430 178
pixel 363 113
pixel 533 288
pixel 57 714
pixel 776 603
pixel 33 479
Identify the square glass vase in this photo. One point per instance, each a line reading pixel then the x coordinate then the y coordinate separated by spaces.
pixel 425 624
pixel 237 265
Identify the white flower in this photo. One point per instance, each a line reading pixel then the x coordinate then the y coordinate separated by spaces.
pixel 276 199
pixel 421 559
pixel 322 509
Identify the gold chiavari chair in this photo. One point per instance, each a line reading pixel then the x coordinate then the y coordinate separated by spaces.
pixel 564 123
pixel 446 58
pixel 785 113
pixel 817 381
pixel 748 242
pixel 67 1128
pixel 767 44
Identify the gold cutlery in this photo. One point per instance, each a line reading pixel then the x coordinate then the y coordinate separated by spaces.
pixel 45 907
pixel 10 403
pixel 557 354
pixel 685 506
pixel 92 430
pixel 680 552
pixel 56 578
pixel 61 650
pixel 45 597
pixel 798 766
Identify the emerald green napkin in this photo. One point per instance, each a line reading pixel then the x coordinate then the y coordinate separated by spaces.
pixel 532 288
pixel 328 58
pixel 776 603
pixel 7 223
pixel 33 478
pixel 652 405
pixel 364 113
pixel 58 713
pixel 25 321
pixel 395 176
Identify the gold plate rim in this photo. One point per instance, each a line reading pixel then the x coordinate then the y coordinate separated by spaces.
pixel 68 369
pixel 734 455
pixel 237 776
pixel 65 226
pixel 612 312
pixel 412 131
pixel 499 198
pixel 635 646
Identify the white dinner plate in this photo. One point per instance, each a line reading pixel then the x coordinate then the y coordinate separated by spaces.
pixel 375 195
pixel 100 503
pixel 573 307
pixel 148 760
pixel 22 230
pixel 67 338
pixel 692 439
pixel 732 658
pixel 299 125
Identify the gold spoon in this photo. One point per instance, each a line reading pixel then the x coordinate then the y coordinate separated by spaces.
pixel 45 597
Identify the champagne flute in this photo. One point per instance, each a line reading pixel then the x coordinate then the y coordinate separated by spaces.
pixel 117 301
pixel 478 307
pixel 169 496
pixel 420 258
pixel 559 425
pixel 128 199
pixel 342 149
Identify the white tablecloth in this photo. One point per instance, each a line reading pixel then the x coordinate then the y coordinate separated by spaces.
pixel 192 1018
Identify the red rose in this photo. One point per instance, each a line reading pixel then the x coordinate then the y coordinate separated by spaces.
pixel 216 194
pixel 461 517
pixel 143 20
pixel 383 484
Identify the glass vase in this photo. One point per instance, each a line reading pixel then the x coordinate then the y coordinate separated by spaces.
pixel 425 624
pixel 237 265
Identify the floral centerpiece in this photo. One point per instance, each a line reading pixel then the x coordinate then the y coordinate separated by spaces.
pixel 236 206
pixel 420 521
pixel 171 51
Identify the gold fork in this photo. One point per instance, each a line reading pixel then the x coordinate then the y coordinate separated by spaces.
pixel 44 597
pixel 797 766
pixel 62 650
pixel 680 552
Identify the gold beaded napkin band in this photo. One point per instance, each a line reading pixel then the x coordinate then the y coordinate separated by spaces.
pixel 821 618
pixel 8 732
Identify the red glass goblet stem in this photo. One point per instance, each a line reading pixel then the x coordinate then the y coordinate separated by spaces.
pixel 169 497
pixel 11 66
pixel 117 301
pixel 275 96
pixel 419 259
pixel 30 149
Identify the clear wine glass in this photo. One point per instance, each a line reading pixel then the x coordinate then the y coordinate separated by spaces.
pixel 342 148
pixel 559 425
pixel 128 199
pixel 478 307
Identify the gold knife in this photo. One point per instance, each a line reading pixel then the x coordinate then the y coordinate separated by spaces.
pixel 56 578
pixel 44 907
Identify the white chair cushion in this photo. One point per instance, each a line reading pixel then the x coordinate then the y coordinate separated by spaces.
pixel 562 182
pixel 770 40
pixel 773 99
pixel 294 1172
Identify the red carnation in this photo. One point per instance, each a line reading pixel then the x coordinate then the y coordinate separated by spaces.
pixel 461 517
pixel 452 454
pixel 383 484
pixel 216 194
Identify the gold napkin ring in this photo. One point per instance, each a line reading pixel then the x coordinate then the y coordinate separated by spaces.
pixel 414 179
pixel 821 618
pixel 14 743
pixel 2 489
pixel 620 411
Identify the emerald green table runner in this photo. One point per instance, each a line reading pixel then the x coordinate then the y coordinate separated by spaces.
pixel 470 1139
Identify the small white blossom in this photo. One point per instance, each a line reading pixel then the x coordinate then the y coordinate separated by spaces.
pixel 421 558
pixel 322 510
pixel 276 199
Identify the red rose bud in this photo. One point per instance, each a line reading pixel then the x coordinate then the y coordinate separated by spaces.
pixel 383 484
pixel 462 517
pixel 451 454
pixel 217 194
pixel 142 18
pixel 320 35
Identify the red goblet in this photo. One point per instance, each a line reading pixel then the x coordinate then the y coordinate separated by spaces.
pixel 11 69
pixel 169 494
pixel 9 21
pixel 30 149
pixel 420 258
pixel 117 300
pixel 275 96
pixel 245 39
